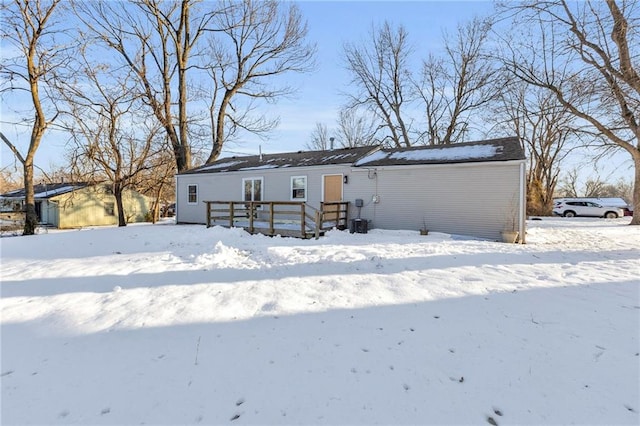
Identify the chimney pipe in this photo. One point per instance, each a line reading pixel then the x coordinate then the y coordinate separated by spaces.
pixel 331 139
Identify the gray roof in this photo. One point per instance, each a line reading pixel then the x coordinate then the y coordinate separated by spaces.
pixel 288 159
pixel 48 190
pixel 503 149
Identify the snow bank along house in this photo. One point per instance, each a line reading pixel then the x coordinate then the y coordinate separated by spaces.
pixel 74 205
pixel 475 189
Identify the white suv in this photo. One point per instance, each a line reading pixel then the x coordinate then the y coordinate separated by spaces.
pixel 585 208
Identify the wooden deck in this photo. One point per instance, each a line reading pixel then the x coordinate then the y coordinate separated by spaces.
pixel 285 218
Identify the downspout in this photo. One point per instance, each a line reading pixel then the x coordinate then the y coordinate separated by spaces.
pixel 522 219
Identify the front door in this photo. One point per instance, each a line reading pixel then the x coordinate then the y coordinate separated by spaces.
pixel 332 193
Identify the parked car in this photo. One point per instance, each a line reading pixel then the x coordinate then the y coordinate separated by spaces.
pixel 572 208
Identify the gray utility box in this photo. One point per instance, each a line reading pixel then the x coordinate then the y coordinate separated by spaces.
pixel 359 226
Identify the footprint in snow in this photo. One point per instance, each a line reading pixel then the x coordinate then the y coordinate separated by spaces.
pixel 105 411
pixel 492 421
pixel 239 402
pixel 235 417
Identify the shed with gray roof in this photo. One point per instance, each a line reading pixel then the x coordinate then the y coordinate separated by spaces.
pixel 475 189
pixel 78 204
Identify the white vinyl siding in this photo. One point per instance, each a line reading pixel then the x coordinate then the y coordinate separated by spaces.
pixel 463 199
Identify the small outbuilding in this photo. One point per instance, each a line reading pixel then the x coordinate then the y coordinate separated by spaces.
pixel 76 205
pixel 475 189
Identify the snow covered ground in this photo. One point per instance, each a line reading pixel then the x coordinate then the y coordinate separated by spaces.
pixel 171 324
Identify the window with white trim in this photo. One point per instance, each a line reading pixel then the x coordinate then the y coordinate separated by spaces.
pixel 252 189
pixel 298 188
pixel 192 191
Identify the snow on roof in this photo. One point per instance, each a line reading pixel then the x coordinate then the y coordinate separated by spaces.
pixel 449 153
pixel 376 156
pixel 227 164
pixel 56 191
pixel 265 166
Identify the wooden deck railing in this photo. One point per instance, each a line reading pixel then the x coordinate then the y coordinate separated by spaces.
pixel 287 218
pixel 335 213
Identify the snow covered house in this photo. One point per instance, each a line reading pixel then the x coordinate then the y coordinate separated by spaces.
pixel 475 189
pixel 75 205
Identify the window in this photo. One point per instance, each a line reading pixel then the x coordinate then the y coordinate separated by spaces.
pixel 252 189
pixel 298 188
pixel 109 209
pixel 193 194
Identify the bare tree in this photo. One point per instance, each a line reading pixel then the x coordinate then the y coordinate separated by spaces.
pixel 158 182
pixel 355 129
pixel 456 85
pixel 155 39
pixel 352 130
pixel 585 54
pixel 257 41
pixel 595 186
pixel 8 180
pixel 545 129
pixel 568 185
pixel 379 72
pixel 32 28
pixel 319 140
pixel 110 127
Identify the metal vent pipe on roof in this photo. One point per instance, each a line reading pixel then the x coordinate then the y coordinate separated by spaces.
pixel 331 139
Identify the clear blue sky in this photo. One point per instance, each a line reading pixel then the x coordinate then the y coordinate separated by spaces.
pixel 331 23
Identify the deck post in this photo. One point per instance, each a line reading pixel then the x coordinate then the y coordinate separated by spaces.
pixel 271 231
pixel 231 214
pixel 318 224
pixel 302 221
pixel 208 214
pixel 251 209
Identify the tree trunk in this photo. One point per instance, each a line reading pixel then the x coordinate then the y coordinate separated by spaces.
pixel 31 219
pixel 117 192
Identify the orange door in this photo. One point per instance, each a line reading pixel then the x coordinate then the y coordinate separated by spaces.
pixel 332 193
pixel 333 188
